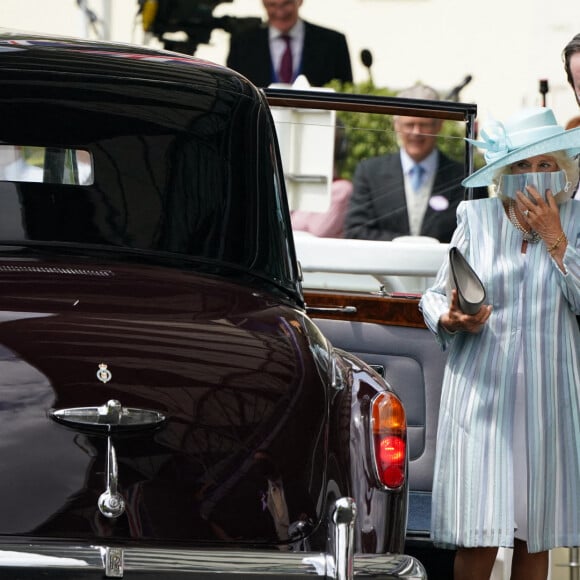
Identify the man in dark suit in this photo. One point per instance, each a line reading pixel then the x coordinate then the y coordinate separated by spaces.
pixel 320 54
pixel 415 191
pixel 571 57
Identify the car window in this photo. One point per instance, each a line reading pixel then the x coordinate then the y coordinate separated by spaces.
pixel 57 165
pixel 342 158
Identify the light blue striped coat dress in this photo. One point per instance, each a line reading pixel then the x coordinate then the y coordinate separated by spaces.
pixel 532 324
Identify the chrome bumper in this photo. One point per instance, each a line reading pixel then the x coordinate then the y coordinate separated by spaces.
pixel 118 562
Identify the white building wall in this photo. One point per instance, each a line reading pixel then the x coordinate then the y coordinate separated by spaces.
pixel 506 45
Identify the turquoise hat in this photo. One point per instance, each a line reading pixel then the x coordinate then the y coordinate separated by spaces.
pixel 530 132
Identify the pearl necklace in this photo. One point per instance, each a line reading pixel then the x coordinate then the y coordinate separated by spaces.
pixel 529 236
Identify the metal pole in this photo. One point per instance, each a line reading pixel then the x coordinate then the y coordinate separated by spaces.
pixel 543 90
pixel 574 564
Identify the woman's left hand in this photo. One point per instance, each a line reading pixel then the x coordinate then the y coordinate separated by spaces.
pixel 455 320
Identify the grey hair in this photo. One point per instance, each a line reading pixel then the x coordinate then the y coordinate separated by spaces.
pixel 565 163
pixel 419 91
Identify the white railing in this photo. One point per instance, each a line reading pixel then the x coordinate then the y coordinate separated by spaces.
pixel 407 264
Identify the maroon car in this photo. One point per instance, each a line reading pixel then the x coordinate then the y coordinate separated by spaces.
pixel 167 406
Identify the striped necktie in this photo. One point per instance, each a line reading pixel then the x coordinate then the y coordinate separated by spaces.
pixel 286 68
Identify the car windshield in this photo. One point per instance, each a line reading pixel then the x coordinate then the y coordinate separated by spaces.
pixel 357 220
pixel 153 167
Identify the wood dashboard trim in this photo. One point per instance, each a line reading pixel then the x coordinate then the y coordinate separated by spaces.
pixel 370 307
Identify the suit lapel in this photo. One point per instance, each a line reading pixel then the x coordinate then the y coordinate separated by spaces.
pixel 263 59
pixel 310 63
pixel 439 223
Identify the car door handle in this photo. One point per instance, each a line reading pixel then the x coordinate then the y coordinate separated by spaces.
pixel 331 309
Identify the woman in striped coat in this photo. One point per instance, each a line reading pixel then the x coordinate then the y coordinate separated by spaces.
pixel 507 471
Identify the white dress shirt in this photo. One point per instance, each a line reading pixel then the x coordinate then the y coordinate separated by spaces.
pixel 278 45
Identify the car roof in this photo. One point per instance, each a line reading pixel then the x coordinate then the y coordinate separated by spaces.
pixel 44 54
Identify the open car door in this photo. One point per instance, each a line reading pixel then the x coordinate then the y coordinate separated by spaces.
pixel 364 294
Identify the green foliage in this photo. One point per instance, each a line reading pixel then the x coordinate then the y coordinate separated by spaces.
pixel 369 134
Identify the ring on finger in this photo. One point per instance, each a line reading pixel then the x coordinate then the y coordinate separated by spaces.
pixel 526 213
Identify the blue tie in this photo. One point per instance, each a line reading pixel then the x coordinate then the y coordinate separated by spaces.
pixel 417 172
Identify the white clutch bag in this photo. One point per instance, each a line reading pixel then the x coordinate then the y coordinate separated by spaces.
pixel 470 290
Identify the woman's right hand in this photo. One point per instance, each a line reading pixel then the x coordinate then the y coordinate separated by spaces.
pixel 455 320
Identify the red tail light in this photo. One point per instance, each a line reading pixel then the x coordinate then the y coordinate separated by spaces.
pixel 389 427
